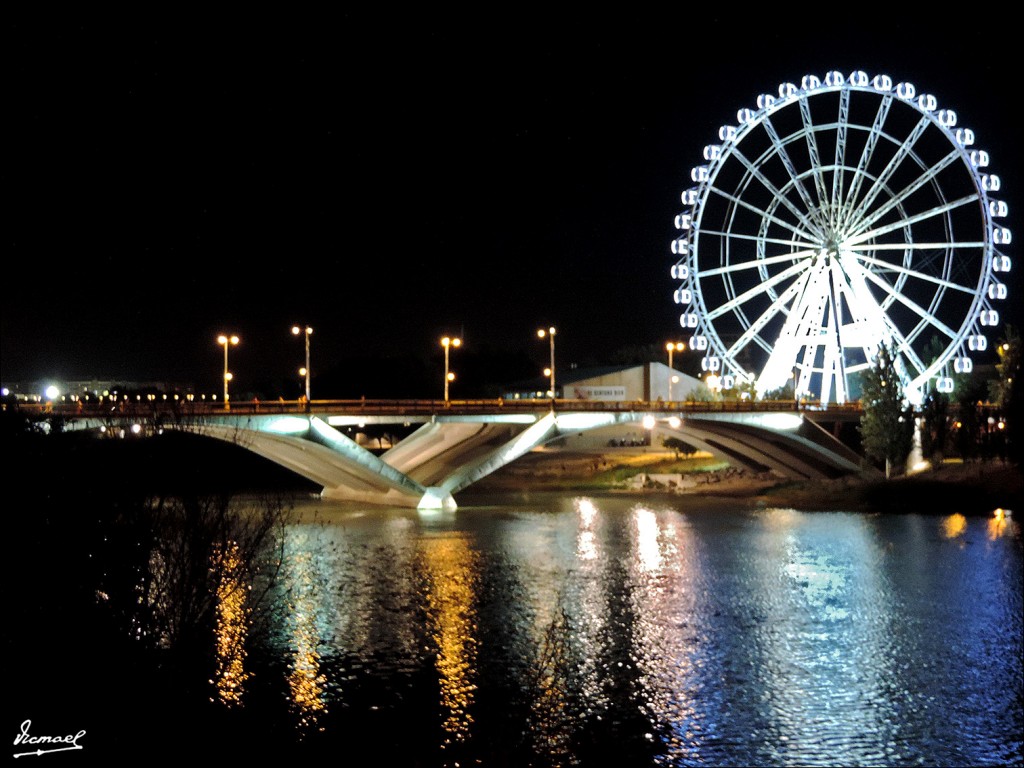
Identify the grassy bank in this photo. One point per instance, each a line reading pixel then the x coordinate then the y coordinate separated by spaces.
pixel 968 488
pixel 607 470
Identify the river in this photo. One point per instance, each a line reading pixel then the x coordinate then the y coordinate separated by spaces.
pixel 576 630
pixel 552 628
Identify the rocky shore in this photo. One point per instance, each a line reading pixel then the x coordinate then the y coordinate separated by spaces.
pixel 968 488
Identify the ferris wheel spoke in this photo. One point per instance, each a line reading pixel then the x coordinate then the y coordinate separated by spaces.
pixel 766 216
pixel 801 216
pixel 910 304
pixel 779 305
pixel 763 287
pixel 902 345
pixel 864 258
pixel 757 263
pixel 916 219
pixel 790 166
pixel 803 326
pixel 923 246
pixel 881 182
pixel 930 175
pixel 869 316
pixel 811 140
pixel 839 163
pixel 870 144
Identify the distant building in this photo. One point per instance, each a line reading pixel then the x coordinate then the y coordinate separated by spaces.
pixel 647 382
pixel 55 389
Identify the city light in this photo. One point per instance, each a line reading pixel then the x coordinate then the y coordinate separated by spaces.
pixel 448 342
pixel 305 372
pixel 550 371
pixel 226 341
pixel 673 346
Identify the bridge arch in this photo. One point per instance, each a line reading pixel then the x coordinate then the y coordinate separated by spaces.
pixel 450 448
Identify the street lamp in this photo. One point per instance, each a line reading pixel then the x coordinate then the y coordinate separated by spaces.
pixel 672 346
pixel 296 330
pixel 448 343
pixel 226 341
pixel 550 333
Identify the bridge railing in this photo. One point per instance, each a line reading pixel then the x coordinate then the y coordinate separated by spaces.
pixel 147 408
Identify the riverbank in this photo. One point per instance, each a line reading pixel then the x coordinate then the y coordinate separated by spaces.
pixel 969 488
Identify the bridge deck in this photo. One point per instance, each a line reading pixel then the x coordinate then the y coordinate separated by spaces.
pixel 394 407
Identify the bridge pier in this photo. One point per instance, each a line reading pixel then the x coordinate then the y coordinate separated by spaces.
pixel 437 499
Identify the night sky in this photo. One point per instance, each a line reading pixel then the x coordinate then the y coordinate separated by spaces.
pixel 389 178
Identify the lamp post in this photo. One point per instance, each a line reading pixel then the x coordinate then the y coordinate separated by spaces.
pixel 296 330
pixel 448 343
pixel 550 333
pixel 672 346
pixel 226 341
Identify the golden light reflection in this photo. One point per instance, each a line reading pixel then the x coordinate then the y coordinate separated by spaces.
pixel 305 680
pixel 232 625
pixel 780 517
pixel 663 572
pixel 552 730
pixel 451 585
pixel 954 525
pixel 998 524
pixel 586 510
pixel 590 613
pixel 561 658
pixel 647 539
pixel 586 545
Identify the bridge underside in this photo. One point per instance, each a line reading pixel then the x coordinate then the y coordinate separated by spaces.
pixel 446 454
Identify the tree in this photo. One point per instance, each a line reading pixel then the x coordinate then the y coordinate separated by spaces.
pixel 969 394
pixel 887 424
pixel 1008 368
pixel 785 393
pixel 1007 391
pixel 678 446
pixel 935 425
pixel 701 393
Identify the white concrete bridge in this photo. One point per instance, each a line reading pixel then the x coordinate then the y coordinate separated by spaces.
pixel 452 445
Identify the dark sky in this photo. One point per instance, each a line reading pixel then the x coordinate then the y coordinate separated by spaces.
pixel 388 178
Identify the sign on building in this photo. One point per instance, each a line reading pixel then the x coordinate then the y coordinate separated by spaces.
pixel 599 393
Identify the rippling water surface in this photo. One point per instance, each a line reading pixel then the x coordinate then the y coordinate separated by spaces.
pixel 609 631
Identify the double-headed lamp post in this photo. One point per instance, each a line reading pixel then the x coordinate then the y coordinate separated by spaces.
pixel 448 343
pixel 226 341
pixel 307 331
pixel 550 333
pixel 672 346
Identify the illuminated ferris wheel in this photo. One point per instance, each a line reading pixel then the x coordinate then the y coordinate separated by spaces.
pixel 841 214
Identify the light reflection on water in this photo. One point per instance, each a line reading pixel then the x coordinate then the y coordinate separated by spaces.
pixel 587 630
pixel 450 596
pixel 232 626
pixel 305 680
